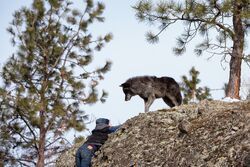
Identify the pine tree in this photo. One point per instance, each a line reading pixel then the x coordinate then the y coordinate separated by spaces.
pixel 48 80
pixel 190 89
pixel 230 19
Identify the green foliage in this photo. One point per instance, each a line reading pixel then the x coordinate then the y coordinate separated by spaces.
pixel 190 88
pixel 198 17
pixel 46 82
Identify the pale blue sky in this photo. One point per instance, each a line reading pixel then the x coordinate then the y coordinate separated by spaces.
pixel 132 56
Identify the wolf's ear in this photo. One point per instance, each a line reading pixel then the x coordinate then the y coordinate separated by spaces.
pixel 124 85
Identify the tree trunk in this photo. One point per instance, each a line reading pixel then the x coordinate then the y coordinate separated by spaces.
pixel 233 88
pixel 41 147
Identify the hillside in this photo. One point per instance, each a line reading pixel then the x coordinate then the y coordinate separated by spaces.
pixel 215 134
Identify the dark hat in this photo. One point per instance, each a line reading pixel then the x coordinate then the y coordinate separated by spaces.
pixel 102 121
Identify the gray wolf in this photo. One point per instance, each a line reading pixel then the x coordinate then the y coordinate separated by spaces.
pixel 150 88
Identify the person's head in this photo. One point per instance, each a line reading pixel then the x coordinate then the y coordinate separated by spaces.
pixel 102 121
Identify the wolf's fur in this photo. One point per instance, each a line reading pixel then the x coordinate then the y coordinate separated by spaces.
pixel 150 87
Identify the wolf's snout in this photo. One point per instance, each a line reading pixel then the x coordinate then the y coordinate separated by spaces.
pixel 127 97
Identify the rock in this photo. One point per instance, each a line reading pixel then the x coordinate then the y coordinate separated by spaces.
pixel 209 134
pixel 67 159
pixel 153 139
pixel 184 127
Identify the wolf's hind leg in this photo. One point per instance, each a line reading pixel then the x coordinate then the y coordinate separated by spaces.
pixel 168 101
pixel 173 100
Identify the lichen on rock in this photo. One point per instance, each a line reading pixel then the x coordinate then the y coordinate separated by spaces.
pixel 208 134
pixel 211 133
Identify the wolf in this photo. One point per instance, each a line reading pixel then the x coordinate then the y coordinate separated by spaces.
pixel 150 88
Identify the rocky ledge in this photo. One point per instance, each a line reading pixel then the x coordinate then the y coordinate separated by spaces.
pixel 208 134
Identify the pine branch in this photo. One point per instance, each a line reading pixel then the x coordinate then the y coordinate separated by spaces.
pixel 28 125
pixel 20 161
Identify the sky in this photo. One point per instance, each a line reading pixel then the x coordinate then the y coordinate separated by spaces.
pixel 132 56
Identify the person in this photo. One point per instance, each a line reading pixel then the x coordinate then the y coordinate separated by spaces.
pixel 98 137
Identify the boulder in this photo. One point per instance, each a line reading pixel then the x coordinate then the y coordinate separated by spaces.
pixel 207 134
pixel 211 133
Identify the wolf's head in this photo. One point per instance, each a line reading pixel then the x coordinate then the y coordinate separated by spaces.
pixel 126 87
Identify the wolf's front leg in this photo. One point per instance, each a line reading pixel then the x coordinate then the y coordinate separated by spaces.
pixel 148 102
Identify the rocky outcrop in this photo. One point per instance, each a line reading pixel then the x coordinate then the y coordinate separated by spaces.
pixel 208 134
pixel 67 158
pixel 215 134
